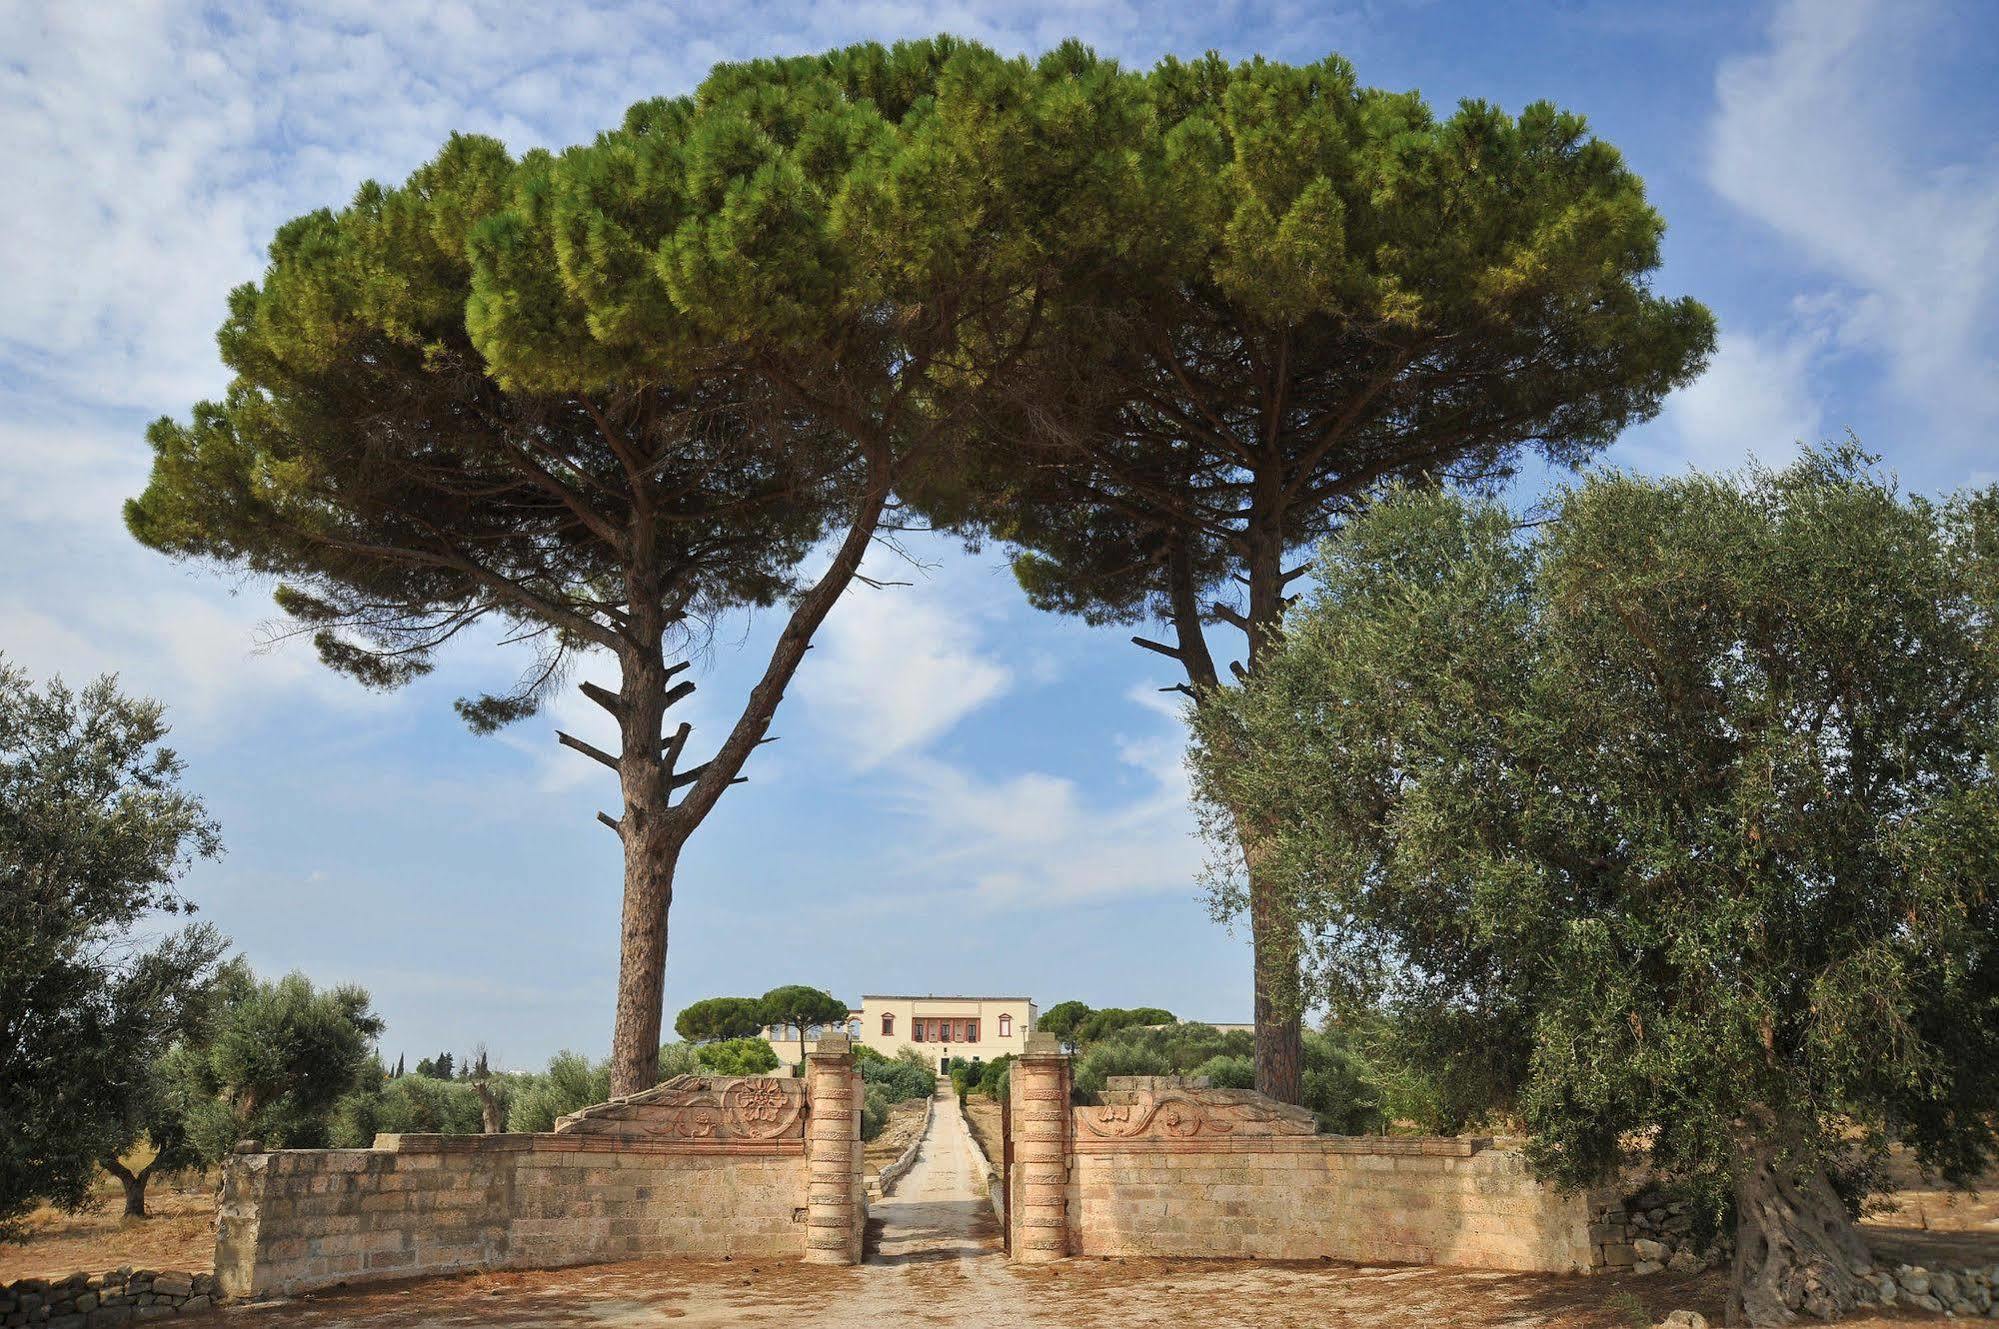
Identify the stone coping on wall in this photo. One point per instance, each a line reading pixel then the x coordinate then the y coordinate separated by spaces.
pixel 1387 1146
pixel 553 1142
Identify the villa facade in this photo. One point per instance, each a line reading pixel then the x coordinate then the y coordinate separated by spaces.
pixel 940 1028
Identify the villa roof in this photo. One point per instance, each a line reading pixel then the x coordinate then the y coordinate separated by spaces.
pixel 933 996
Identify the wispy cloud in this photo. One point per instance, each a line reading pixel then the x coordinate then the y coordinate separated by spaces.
pixel 1823 137
pixel 1035 838
pixel 896 667
pixel 1757 399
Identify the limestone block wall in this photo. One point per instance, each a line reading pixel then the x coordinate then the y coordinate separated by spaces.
pixel 1226 1173
pixel 700 1167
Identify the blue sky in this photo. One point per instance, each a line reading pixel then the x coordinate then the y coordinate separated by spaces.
pixel 968 796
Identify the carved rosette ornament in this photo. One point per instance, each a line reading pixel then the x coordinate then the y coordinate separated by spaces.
pixel 761 1108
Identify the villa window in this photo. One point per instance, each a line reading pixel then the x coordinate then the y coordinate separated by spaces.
pixel 972 1032
pixel 1006 1026
pixel 888 1026
pixel 916 1031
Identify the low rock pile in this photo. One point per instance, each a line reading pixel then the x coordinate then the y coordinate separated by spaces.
pixel 85 1301
pixel 1654 1232
pixel 1960 1292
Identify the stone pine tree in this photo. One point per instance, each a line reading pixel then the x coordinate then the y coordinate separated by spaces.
pixel 96 832
pixel 717 1018
pixel 1315 288
pixel 796 1006
pixel 592 402
pixel 1684 815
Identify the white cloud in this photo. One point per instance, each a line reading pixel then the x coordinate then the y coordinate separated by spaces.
pixel 1036 838
pixel 1755 399
pixel 1821 137
pixel 895 668
pixel 152 149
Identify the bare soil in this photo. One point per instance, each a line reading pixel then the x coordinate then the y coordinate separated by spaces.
pixel 1921 1221
pixel 982 1114
pixel 905 1123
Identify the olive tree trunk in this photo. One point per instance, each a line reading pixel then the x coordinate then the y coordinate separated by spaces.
pixel 134 1184
pixel 1795 1247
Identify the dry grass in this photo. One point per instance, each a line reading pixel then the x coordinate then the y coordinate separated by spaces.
pixel 177 1233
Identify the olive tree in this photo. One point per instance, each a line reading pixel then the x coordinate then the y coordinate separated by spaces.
pixel 1682 815
pixel 96 833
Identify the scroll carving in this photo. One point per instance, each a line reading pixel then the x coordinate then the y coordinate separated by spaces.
pixel 1181 1114
pixel 698 1108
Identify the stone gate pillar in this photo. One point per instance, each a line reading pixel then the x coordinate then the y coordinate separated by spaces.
pixel 1037 1208
pixel 833 1212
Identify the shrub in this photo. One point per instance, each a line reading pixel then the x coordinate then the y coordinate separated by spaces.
pixel 677 1059
pixel 1341 1088
pixel 1178 1049
pixel 737 1056
pixel 569 1083
pixel 1228 1072
pixel 874 1112
pixel 993 1077
pixel 898 1080
pixel 422 1105
pixel 1102 1024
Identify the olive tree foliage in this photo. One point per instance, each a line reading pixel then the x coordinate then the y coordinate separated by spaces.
pixel 1683 813
pixel 593 401
pixel 95 834
pixel 1312 288
pixel 273 1062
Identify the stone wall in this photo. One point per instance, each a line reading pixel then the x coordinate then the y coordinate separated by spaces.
pixel 700 1167
pixel 91 1301
pixel 1188 1172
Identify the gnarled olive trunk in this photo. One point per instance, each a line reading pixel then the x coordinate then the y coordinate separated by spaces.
pixel 134 1184
pixel 1795 1247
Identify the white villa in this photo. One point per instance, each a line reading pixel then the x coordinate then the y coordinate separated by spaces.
pixel 941 1028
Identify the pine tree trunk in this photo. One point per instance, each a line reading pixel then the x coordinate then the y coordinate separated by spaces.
pixel 1273 925
pixel 1795 1247
pixel 652 849
pixel 1280 1038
